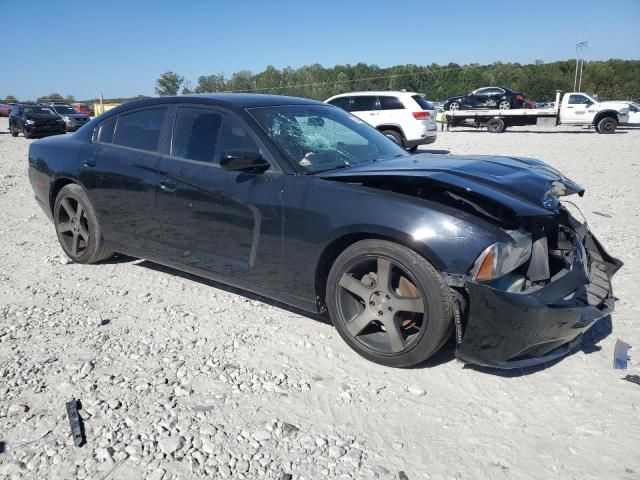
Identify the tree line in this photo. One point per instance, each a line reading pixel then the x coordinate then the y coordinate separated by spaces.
pixel 607 80
pixel 610 79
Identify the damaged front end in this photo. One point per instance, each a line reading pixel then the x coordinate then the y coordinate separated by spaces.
pixel 537 311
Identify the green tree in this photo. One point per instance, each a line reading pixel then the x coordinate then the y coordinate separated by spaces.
pixel 10 99
pixel 52 97
pixel 168 84
pixel 211 83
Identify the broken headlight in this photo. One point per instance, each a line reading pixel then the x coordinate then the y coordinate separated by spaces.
pixel 502 257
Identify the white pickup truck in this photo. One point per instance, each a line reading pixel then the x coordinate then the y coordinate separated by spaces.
pixel 575 109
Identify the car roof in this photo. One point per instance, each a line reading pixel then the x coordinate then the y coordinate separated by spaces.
pixel 229 100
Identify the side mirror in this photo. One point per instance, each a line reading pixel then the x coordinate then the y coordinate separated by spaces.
pixel 243 161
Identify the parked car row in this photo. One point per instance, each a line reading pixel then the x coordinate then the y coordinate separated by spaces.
pixel 43 120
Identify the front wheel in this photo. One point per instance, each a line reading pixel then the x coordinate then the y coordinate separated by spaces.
pixel 25 133
pixel 607 125
pixel 77 226
pixel 388 303
pixel 454 106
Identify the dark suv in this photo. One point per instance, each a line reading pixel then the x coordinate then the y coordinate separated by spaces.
pixel 35 120
pixel 72 119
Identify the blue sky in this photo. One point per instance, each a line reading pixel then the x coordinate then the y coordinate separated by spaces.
pixel 120 48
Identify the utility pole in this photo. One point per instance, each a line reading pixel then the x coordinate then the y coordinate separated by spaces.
pixel 580 48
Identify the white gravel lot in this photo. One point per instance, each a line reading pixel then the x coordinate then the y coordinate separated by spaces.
pixel 180 378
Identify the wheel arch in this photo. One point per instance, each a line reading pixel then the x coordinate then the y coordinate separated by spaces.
pixel 57 185
pixel 391 126
pixel 340 243
pixel 605 113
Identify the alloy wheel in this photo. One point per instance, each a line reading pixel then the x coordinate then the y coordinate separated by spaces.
pixel 504 105
pixel 73 227
pixel 381 305
pixel 453 106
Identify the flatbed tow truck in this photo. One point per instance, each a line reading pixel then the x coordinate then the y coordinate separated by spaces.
pixel 575 109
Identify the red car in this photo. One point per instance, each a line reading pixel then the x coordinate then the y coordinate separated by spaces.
pixel 5 110
pixel 81 108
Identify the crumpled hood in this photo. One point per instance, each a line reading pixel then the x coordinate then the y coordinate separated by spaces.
pixel 526 186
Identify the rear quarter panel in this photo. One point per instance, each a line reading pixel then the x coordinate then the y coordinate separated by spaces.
pixel 52 159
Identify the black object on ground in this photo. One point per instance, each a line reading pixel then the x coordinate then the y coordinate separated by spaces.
pixel 77 428
pixel 286 476
pixel 1 447
pixel 632 378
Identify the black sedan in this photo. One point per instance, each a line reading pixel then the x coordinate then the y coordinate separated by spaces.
pixel 303 203
pixel 35 121
pixel 486 98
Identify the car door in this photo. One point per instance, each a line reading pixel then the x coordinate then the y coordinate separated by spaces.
pixel 118 169
pixel 367 108
pixel 576 109
pixel 215 220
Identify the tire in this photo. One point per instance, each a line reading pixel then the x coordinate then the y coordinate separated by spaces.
pixel 12 131
pixel 77 227
pixel 607 125
pixel 395 136
pixel 453 106
pixel 374 322
pixel 25 133
pixel 504 104
pixel 496 125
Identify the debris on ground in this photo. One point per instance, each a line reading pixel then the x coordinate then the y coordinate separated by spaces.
pixel 75 422
pixel 621 355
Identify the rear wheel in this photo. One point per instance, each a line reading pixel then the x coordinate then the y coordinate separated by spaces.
pixel 607 125
pixel 77 226
pixel 12 131
pixel 504 105
pixel 496 125
pixel 395 136
pixel 388 303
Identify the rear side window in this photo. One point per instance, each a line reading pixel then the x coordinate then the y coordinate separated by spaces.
pixel 342 102
pixel 364 103
pixel 105 131
pixel 422 102
pixel 391 103
pixel 196 133
pixel 140 129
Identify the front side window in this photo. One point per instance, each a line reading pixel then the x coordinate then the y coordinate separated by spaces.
pixel 364 103
pixel 105 131
pixel 195 134
pixel 316 137
pixel 390 103
pixel 140 129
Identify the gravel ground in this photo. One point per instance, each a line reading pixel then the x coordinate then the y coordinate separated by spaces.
pixel 183 378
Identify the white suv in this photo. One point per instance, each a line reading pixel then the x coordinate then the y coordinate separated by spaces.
pixel 405 117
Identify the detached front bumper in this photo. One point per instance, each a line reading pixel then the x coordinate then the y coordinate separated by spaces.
pixel 514 330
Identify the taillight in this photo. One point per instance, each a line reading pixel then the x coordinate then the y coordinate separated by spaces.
pixel 519 97
pixel 421 115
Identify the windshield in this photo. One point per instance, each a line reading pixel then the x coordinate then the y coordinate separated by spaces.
pixel 38 110
pixel 64 109
pixel 318 138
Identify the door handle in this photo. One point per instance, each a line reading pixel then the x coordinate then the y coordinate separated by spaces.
pixel 168 185
pixel 90 163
